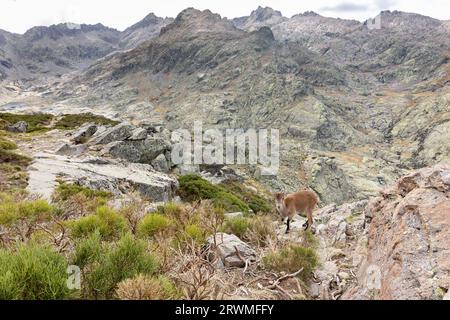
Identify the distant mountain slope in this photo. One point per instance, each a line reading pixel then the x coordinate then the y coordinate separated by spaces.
pixel 62 48
pixel 144 30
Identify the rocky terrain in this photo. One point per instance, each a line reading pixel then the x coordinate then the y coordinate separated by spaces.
pixel 364 119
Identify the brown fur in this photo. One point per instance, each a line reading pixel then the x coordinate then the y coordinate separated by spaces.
pixel 302 202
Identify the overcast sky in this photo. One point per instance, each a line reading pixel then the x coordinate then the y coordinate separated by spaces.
pixel 20 15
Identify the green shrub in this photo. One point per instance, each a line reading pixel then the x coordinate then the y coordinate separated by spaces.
pixel 106 221
pixel 153 224
pixel 13 211
pixel 7 145
pixel 170 209
pixel 291 259
pixel 65 191
pixel 87 250
pixel 194 188
pixel 119 261
pixel 72 121
pixel 237 226
pixel 35 122
pixel 254 201
pixel 194 233
pixel 32 272
pixel 261 231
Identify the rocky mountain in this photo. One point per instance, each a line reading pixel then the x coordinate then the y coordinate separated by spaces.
pixel 66 47
pixel 261 17
pixel 359 107
pixel 56 50
pixel 144 30
pixel 364 117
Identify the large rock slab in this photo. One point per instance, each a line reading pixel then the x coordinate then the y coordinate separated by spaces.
pixel 99 173
pixel 117 133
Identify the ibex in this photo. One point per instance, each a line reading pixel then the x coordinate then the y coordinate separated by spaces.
pixel 302 202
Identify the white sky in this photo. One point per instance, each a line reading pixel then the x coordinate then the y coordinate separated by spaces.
pixel 20 15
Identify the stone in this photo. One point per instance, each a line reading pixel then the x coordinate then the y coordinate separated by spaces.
pixel 110 175
pixel 160 164
pixel 70 150
pixel 84 133
pixel 19 127
pixel 138 134
pixel 144 151
pixel 226 250
pixel 233 215
pixel 262 173
pixel 314 290
pixel 117 133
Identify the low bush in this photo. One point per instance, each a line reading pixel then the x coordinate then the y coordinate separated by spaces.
pixel 32 272
pixel 107 222
pixel 291 259
pixel 153 224
pixel 87 250
pixel 7 145
pixel 256 202
pixel 145 287
pixel 238 226
pixel 14 211
pixel 72 121
pixel 261 231
pixel 64 191
pixel 195 188
pixel 115 262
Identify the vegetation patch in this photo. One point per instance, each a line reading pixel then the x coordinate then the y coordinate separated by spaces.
pixel 65 191
pixel 291 259
pixel 251 198
pixel 14 211
pixel 32 272
pixel 153 224
pixel 145 287
pixel 73 121
pixel 195 188
pixel 36 122
pixel 107 222
pixel 105 265
pixel 257 230
pixel 237 226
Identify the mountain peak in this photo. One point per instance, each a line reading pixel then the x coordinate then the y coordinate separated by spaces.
pixel 197 21
pixel 263 14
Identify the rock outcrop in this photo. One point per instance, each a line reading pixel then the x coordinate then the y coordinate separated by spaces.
pixel 99 174
pixel 19 127
pixel 408 254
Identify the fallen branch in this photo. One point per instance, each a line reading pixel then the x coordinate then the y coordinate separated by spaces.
pixel 288 276
pixel 245 261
